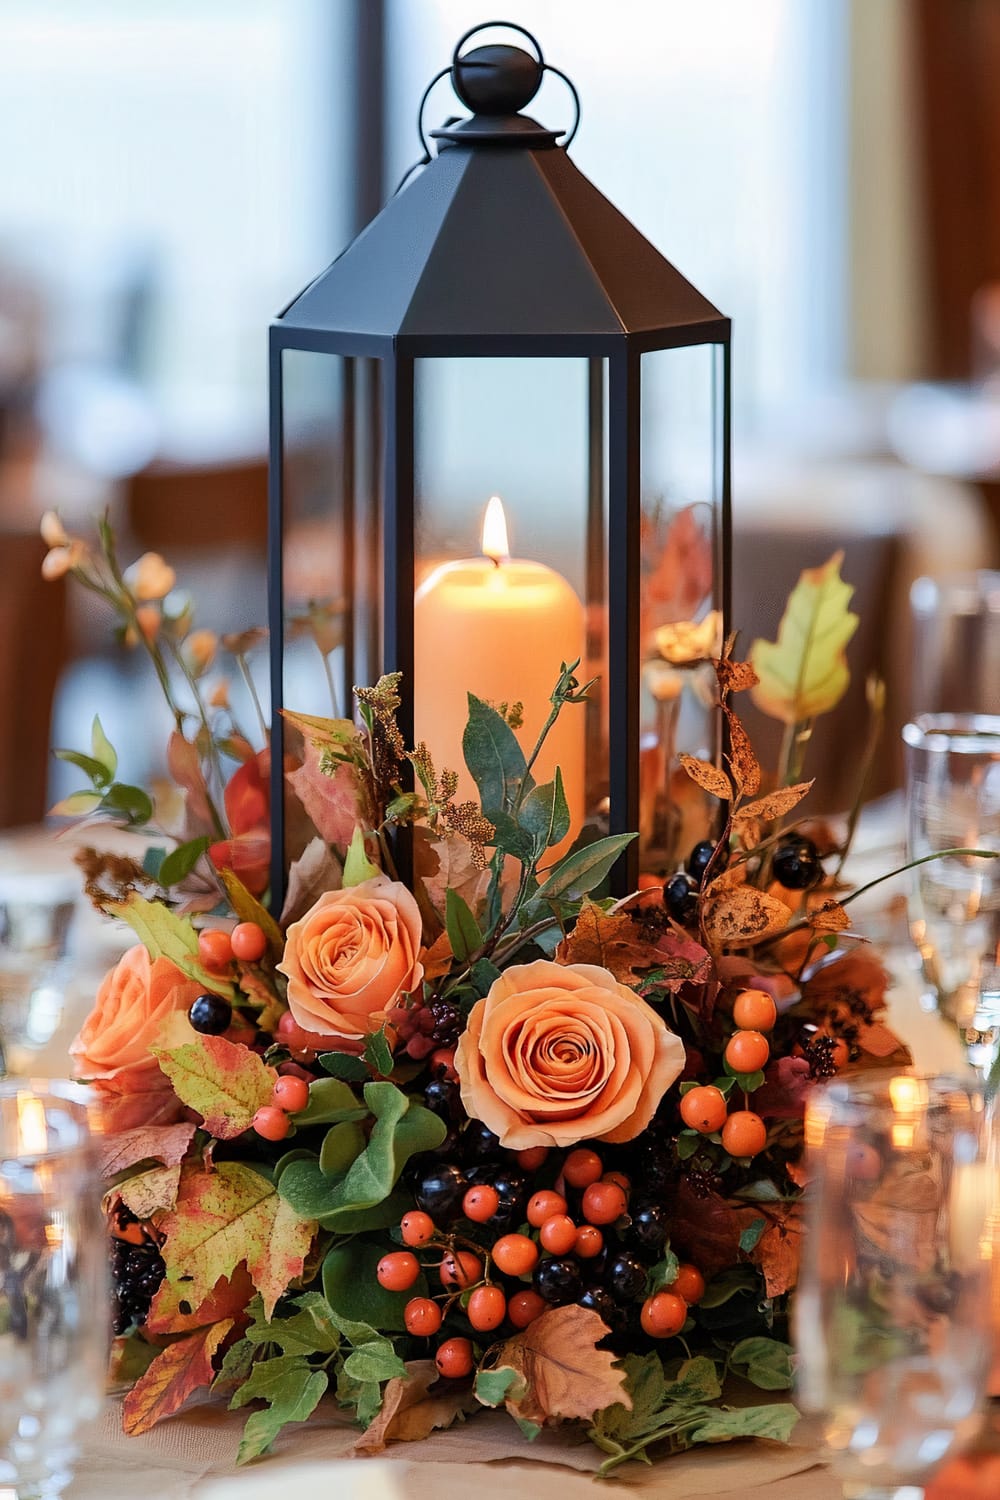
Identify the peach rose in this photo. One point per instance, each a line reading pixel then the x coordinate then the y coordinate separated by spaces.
pixel 113 1047
pixel 559 1053
pixel 351 957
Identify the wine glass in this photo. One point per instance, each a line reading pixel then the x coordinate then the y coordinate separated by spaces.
pixel 54 1316
pixel 892 1311
pixel 953 802
pixel 36 912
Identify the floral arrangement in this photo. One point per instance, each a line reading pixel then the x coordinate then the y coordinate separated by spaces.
pixel 482 1137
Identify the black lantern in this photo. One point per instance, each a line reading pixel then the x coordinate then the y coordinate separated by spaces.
pixel 500 328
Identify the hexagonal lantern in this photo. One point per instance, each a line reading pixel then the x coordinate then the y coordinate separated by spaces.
pixel 500 329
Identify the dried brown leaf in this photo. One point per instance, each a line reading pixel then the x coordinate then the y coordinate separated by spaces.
pixel 410 1412
pixel 166 1144
pixel 562 1372
pixel 773 804
pixel 830 917
pixel 742 761
pixel 735 676
pixel 709 777
pixel 310 876
pixel 609 939
pixel 741 917
pixel 438 958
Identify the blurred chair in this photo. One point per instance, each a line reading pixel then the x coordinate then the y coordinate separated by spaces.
pixel 172 506
pixel 33 644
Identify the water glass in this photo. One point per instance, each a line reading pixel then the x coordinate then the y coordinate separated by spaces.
pixel 956 645
pixel 36 912
pixel 953 802
pixel 892 1313
pixel 54 1314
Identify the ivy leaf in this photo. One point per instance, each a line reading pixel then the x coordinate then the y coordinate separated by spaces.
pixel 292 1390
pixel 179 863
pixel 494 758
pixel 663 1274
pixel 309 1330
pixel 724 1424
pixel 178 1370
pixel 804 672
pixel 375 1361
pixel 544 814
pixel 224 1081
pixel 765 1362
pixel 166 935
pixel 557 1370
pixel 579 873
pixel 463 929
pixel 226 1217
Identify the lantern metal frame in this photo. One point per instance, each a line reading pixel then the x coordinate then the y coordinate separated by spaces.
pixel 622 300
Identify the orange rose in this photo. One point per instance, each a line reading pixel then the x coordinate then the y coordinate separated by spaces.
pixel 559 1053
pixel 351 957
pixel 113 1047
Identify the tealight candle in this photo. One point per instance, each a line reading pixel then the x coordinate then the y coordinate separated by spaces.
pixel 498 627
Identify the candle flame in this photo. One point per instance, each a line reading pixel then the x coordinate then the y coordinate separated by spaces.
pixel 32 1128
pixel 495 544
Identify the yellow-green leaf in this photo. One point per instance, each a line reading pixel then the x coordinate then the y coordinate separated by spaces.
pixel 249 909
pixel 224 1081
pixel 166 935
pixel 804 672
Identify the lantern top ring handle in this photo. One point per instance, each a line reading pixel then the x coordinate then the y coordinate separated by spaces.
pixel 507 26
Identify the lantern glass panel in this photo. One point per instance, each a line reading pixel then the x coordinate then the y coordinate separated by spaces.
pixel 499 625
pixel 680 602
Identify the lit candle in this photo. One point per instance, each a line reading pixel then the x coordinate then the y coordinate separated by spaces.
pixel 498 627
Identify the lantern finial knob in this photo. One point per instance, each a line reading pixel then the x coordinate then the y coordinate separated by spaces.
pixel 496 80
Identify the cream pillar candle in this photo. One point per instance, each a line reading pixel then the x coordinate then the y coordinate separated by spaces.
pixel 498 627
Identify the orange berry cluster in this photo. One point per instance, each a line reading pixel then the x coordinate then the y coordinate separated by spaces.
pixel 289 1095
pixel 217 948
pixel 705 1109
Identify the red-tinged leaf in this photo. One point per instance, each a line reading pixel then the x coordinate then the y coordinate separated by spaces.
pixel 151 1192
pixel 679 961
pixel 561 1371
pixel 171 1310
pixel 135 1099
pixel 443 862
pixel 225 1082
pixel 611 940
pixel 773 804
pixel 227 1217
pixel 409 1410
pixel 335 802
pixel 176 1373
pixel 184 765
pixel 741 917
pixel 708 777
pixel 146 1143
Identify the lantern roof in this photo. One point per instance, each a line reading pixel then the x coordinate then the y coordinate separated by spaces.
pixel 501 245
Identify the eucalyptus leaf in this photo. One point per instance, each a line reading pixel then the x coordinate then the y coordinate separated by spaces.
pixel 462 927
pixel 544 813
pixel 751 1234
pixel 330 1100
pixel 579 873
pixel 493 1386
pixel 494 758
pixel 342 1145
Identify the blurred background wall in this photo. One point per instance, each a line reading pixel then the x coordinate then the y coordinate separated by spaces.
pixel 826 171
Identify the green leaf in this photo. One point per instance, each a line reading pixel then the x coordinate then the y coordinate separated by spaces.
pixel 375 1361
pixel 728 1284
pixel 344 1065
pixel 76 805
pixel 402 1129
pixel 351 1288
pixel 357 866
pixel 179 863
pixel 751 1234
pixel 153 859
pixel 167 935
pixel 510 837
pixel 663 1274
pixel 342 1144
pixel 292 1390
pixel 804 672
pixel 463 929
pixel 765 1362
pixel 687 1144
pixel 493 1386
pixel 579 873
pixel 130 801
pixel 309 1330
pixel 97 772
pixel 330 1101
pixel 378 1053
pixel 544 814
pixel 494 758
pixel 724 1424
pixel 483 975
pixel 102 749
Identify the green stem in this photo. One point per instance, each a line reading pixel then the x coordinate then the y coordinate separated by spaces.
pixel 251 687
pixel 213 749
pixel 334 701
pixel 875 724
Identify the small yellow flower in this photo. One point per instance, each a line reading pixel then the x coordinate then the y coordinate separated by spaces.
pixel 687 641
pixel 150 577
pixel 200 649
